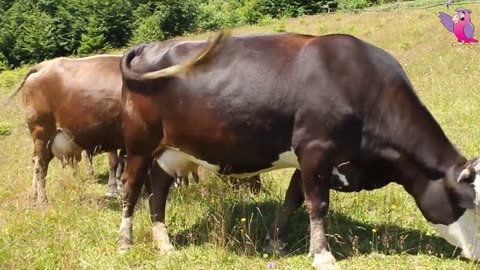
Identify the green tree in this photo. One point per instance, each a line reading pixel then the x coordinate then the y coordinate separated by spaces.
pixel 94 38
pixel 148 30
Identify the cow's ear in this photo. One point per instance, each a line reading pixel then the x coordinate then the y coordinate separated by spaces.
pixel 465 195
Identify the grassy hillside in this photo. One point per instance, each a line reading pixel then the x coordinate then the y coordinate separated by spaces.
pixel 382 229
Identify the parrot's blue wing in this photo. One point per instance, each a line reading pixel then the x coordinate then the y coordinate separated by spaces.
pixel 446 20
pixel 468 30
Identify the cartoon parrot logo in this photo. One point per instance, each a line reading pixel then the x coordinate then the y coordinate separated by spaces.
pixel 460 24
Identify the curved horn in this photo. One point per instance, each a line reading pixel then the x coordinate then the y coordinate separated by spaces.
pixel 465 174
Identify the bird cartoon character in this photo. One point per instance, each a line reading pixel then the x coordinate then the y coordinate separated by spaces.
pixel 460 24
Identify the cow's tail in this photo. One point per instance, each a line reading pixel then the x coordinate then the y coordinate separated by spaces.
pixel 179 69
pixel 14 93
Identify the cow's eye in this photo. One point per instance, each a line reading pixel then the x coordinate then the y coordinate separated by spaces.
pixel 462 17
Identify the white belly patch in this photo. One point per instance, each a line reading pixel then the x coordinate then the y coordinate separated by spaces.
pixel 177 163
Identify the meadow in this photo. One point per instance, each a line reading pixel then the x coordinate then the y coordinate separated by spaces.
pixel 214 226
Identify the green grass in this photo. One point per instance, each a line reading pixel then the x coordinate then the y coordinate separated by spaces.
pixel 381 229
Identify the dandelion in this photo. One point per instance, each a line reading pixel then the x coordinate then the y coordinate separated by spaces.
pixel 243 220
pixel 393 207
pixel 374 230
pixel 265 255
pixel 270 265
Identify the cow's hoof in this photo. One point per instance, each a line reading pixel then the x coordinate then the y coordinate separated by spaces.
pixel 124 247
pixel 277 247
pixel 161 239
pixel 325 261
pixel 42 201
pixel 111 193
pixel 125 242
pixel 166 249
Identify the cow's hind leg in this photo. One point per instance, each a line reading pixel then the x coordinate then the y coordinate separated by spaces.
pixel 158 188
pixel 41 158
pixel 113 163
pixel 134 175
pixel 316 171
pixel 294 198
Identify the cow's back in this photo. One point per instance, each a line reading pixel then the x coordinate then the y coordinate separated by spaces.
pixel 82 96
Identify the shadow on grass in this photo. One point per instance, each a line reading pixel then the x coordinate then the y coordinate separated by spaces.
pixel 222 226
pixel 102 178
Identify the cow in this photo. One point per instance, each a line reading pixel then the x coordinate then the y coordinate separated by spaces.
pixel 338 109
pixel 73 104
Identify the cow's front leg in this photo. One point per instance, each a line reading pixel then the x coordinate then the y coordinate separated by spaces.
pixel 294 198
pixel 159 186
pixel 316 173
pixel 134 177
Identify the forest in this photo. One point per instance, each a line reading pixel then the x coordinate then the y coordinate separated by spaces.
pixel 35 30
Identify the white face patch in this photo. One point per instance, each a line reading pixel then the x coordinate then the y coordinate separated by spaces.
pixel 342 177
pixel 465 232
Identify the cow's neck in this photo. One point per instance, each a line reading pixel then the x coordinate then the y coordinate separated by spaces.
pixel 406 126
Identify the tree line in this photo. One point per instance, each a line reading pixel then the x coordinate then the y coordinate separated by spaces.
pixel 34 30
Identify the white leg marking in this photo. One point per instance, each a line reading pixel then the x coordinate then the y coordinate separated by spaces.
pixel 325 261
pixel 160 238
pixel 125 237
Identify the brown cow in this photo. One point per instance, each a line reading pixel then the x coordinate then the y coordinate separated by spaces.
pixel 73 105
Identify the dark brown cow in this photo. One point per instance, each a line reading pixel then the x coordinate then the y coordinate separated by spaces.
pixel 338 109
pixel 73 105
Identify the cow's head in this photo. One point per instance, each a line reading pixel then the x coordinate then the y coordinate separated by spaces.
pixel 463 196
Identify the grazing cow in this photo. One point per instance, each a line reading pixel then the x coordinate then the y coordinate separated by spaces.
pixel 73 105
pixel 336 108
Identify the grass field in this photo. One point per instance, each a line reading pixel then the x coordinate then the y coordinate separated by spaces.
pixel 382 229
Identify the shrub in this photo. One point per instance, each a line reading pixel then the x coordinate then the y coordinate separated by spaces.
pixel 216 14
pixel 148 30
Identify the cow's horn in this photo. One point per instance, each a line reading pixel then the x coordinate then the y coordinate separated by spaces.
pixel 465 174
